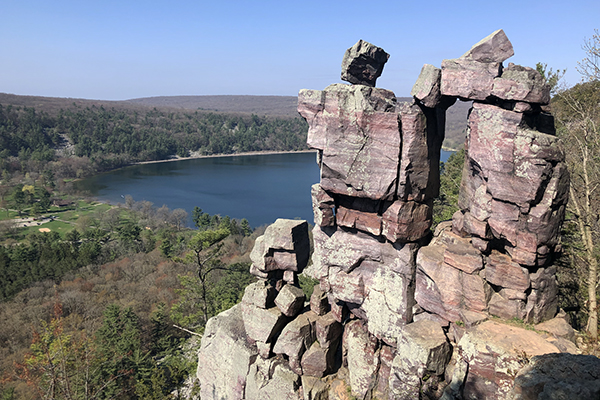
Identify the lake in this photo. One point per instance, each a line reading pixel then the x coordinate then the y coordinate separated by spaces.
pixel 260 188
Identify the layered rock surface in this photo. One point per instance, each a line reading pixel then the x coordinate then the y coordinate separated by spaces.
pixel 399 312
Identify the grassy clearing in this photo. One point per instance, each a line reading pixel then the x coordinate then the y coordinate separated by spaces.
pixel 55 226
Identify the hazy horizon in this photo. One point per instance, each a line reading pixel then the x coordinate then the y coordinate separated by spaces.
pixel 126 50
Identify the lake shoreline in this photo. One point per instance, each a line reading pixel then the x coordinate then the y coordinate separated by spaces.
pixel 249 153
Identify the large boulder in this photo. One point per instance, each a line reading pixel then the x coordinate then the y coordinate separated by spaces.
pixel 374 279
pixel 225 357
pixel 356 128
pixel 495 353
pixel 363 63
pixel 521 84
pixel 422 349
pixel 272 379
pixel 427 87
pixel 285 246
pixel 469 79
pixel 493 48
pixel 296 338
pixel 362 357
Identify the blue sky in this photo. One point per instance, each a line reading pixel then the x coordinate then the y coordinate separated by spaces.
pixel 116 50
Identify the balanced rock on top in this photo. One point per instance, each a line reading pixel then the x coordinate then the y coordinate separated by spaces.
pixel 363 63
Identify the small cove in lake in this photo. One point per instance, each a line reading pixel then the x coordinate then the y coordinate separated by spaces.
pixel 260 188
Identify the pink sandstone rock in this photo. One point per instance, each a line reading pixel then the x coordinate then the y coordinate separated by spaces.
pixel 366 222
pixel 493 48
pixel 361 355
pixel 319 304
pixel 284 246
pixel 418 177
pixel 502 271
pixel 468 79
pixel 495 353
pixel 295 338
pixel 290 300
pixel 261 324
pixel 445 290
pixel 521 84
pixel 422 349
pixel 427 87
pixel 356 128
pixel 323 206
pixel 225 356
pixel 406 221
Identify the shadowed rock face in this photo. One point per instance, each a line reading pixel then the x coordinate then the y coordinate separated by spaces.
pixel 400 312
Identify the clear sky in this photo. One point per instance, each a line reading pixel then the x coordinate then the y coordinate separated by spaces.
pixel 122 49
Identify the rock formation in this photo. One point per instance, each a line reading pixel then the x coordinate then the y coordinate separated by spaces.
pixel 401 312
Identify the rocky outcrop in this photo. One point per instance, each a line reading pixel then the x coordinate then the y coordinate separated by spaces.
pixel 400 312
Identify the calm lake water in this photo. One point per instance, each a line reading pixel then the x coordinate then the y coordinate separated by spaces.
pixel 260 188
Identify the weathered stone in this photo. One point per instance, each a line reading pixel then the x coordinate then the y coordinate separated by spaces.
pixel 506 308
pixel 422 348
pixel 542 304
pixel 492 132
pixel 290 300
pixel 456 372
pixel 319 303
pixel 406 221
pixel 379 272
pixel 388 302
pixel 284 246
pixel 272 380
pixel 422 132
pixel 564 345
pixel 363 63
pixel 264 349
pixel 493 48
pixel 476 227
pixel 445 290
pixel 260 293
pixel 557 327
pixel 468 79
pixel 290 277
pixel 431 317
pixel 558 376
pixel 495 353
pixel 427 87
pixel 295 338
pixel 521 84
pixel 386 358
pixel 314 388
pixel 362 357
pixel 366 222
pixel 472 318
pixel 501 271
pixel 225 356
pixel 357 130
pixel 463 256
pixel 262 324
pixel 318 361
pixel 323 206
pixel 328 330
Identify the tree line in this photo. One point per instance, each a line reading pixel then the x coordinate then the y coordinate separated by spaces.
pixel 99 139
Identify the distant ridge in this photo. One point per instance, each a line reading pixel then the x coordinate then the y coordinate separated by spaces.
pixel 260 105
pixel 271 106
